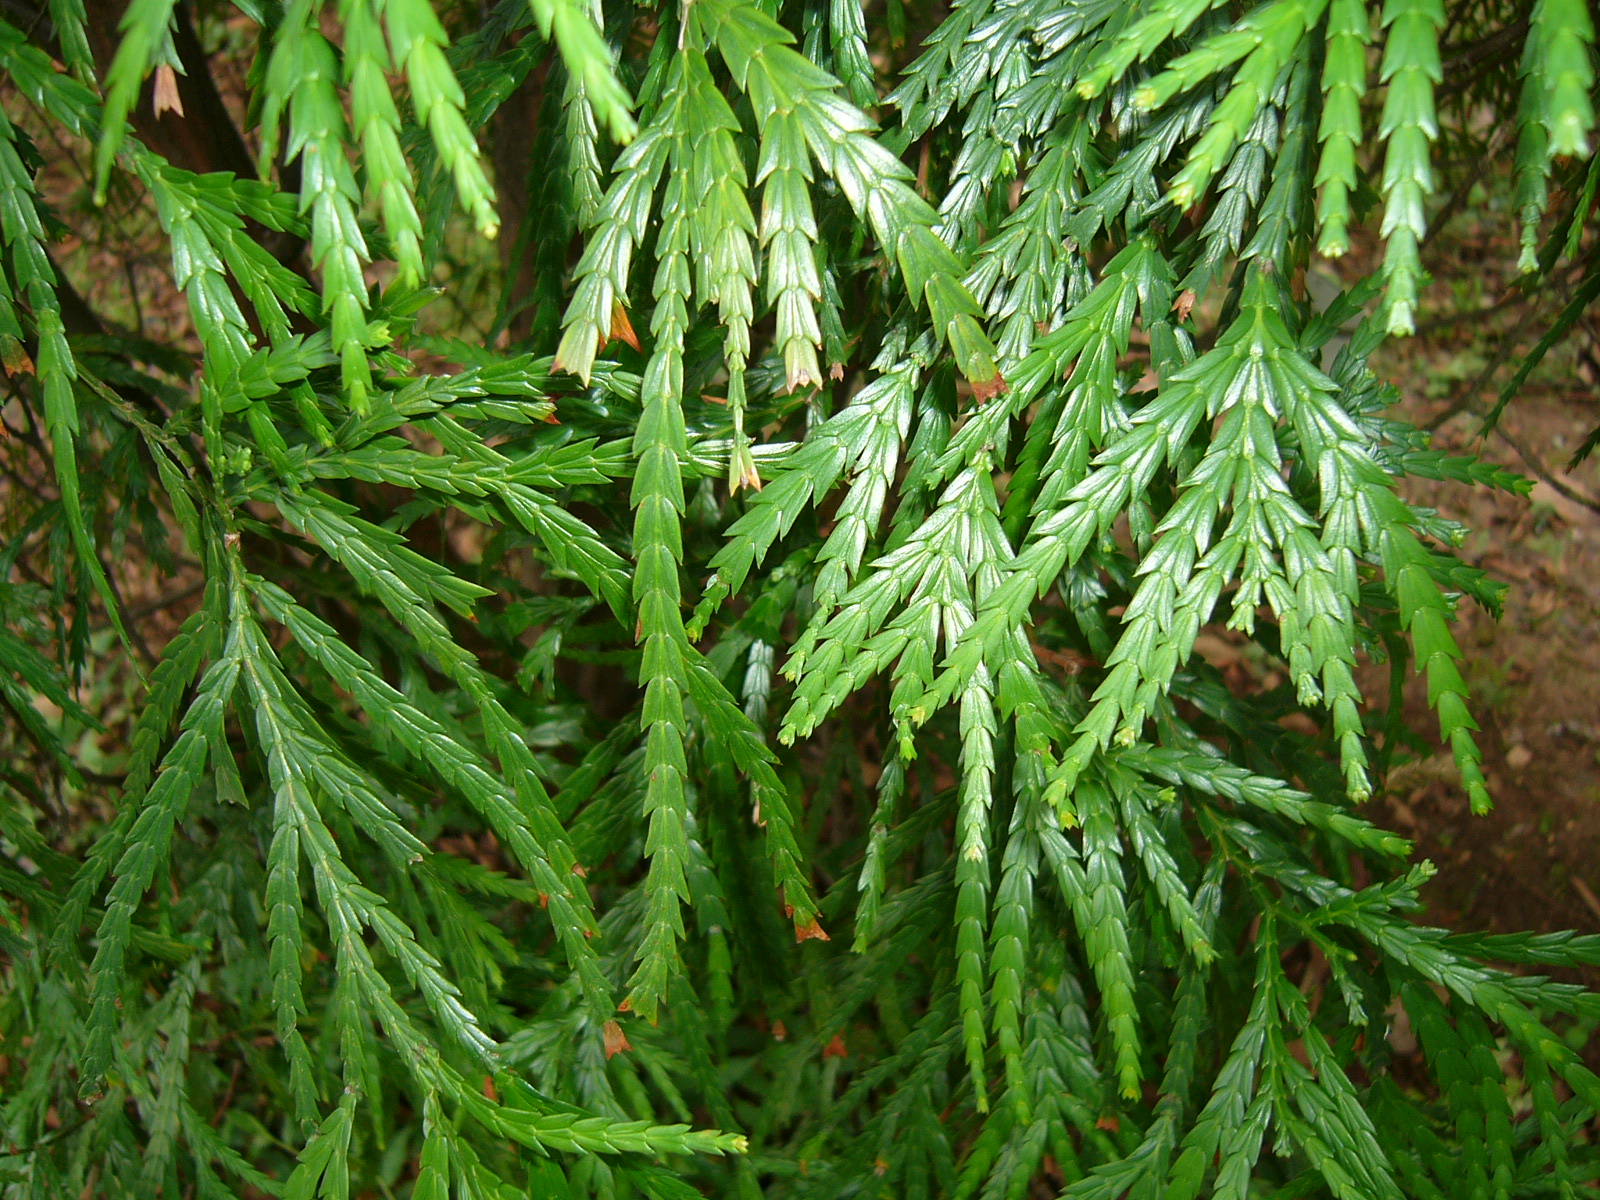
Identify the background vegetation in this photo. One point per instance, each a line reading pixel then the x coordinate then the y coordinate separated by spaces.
pixel 774 600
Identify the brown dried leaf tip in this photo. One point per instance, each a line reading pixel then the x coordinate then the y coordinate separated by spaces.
pixel 14 357
pixel 811 929
pixel 616 1040
pixel 621 327
pixel 166 98
pixel 984 390
pixel 742 471
pixel 835 1048
pixel 1184 303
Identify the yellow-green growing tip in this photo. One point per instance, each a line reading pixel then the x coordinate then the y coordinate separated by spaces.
pixel 1400 322
pixel 1333 245
pixel 1568 136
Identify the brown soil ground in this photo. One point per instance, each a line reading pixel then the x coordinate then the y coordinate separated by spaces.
pixel 1535 674
pixel 1535 678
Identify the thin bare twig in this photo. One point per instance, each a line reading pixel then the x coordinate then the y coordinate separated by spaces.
pixel 1536 465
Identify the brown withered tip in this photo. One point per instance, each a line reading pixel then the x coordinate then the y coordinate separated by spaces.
pixel 835 1048
pixel 780 1031
pixel 1109 1123
pixel 616 1041
pixel 811 929
pixel 748 478
pixel 836 371
pixel 166 97
pixel 625 1006
pixel 489 1092
pixel 14 358
pixel 1184 303
pixel 987 389
pixel 799 379
pixel 621 327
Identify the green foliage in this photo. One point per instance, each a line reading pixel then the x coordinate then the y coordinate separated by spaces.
pixel 741 732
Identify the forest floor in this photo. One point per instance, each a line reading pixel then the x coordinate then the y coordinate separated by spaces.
pixel 1535 678
pixel 1534 863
